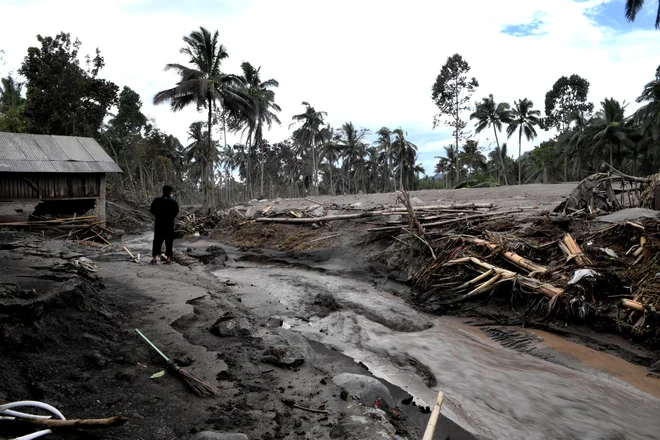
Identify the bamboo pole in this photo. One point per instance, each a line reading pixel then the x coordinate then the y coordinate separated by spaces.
pixel 574 250
pixel 511 256
pixel 433 420
pixel 546 289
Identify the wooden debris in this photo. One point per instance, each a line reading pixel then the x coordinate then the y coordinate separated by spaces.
pixel 430 427
pixel 511 256
pixel 570 248
pixel 74 423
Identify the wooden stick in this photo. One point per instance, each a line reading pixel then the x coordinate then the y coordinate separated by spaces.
pixel 99 235
pixel 634 305
pixel 75 423
pixel 511 256
pixel 430 427
pixel 313 201
pixel 441 207
pixel 324 238
pixel 317 411
pixel 59 220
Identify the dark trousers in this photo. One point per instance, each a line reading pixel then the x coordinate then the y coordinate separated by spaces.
pixel 161 235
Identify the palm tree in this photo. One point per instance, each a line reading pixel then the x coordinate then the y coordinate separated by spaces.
pixel 405 152
pixel 634 6
pixel 353 150
pixel 577 142
pixel 256 109
pixel 447 164
pixel 649 114
pixel 308 134
pixel 203 84
pixel 330 151
pixel 610 122
pixel 472 157
pixel 384 144
pixel 488 114
pixel 197 153
pixel 10 94
pixel 523 119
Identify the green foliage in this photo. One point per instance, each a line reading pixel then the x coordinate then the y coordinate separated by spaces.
pixel 567 97
pixel 62 97
pixel 451 93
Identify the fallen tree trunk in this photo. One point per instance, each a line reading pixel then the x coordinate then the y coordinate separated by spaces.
pixel 472 217
pixel 318 219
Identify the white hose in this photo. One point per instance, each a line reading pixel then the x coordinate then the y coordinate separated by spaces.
pixel 7 412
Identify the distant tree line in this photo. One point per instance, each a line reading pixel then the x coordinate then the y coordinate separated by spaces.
pixel 584 141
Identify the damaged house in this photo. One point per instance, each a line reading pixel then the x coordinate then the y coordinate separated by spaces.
pixel 44 176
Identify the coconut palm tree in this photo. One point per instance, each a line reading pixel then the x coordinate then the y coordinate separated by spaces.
pixel 610 123
pixel 384 144
pixel 491 114
pixel 308 134
pixel 447 165
pixel 256 109
pixel 648 116
pixel 331 150
pixel 634 6
pixel 523 119
pixel 472 157
pixel 202 84
pixel 405 152
pixel 10 94
pixel 353 149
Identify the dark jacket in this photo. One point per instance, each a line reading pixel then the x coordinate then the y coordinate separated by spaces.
pixel 165 209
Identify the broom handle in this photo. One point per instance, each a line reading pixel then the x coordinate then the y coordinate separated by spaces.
pixel 152 345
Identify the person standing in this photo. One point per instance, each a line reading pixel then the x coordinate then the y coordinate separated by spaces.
pixel 164 209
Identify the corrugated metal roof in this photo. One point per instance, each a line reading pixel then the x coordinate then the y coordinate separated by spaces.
pixel 29 153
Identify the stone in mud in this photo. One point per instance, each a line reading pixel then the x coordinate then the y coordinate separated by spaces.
pixel 417 202
pixel 227 326
pixel 287 349
pixel 316 211
pixel 263 201
pixel 367 388
pixel 251 213
pixel 326 303
pixel 219 256
pixel 200 255
pixel 212 435
pixel 394 218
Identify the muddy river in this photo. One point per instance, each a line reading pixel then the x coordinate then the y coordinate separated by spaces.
pixel 560 391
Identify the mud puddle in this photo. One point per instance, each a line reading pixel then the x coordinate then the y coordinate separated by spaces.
pixel 518 388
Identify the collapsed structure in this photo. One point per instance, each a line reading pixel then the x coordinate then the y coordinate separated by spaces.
pixel 43 176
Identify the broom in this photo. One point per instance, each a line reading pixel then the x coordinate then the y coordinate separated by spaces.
pixel 200 387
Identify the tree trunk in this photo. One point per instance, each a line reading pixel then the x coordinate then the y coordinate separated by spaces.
pixel 332 188
pixel 401 177
pixel 611 148
pixel 520 156
pixel 392 171
pixel 208 163
pixel 499 154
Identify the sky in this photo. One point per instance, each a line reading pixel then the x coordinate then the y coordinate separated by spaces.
pixel 372 62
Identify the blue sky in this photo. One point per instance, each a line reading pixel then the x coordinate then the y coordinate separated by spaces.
pixel 366 61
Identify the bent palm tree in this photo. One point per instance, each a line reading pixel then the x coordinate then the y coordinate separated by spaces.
pixel 488 114
pixel 203 84
pixel 523 119
pixel 634 6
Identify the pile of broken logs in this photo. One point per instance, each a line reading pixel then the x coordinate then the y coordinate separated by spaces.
pixel 84 229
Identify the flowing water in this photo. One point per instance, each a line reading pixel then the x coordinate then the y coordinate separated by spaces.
pixel 494 392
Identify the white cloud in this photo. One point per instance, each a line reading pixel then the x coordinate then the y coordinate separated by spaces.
pixel 370 62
